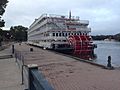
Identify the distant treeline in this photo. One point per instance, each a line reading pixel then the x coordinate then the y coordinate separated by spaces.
pixel 103 37
pixel 16 33
pixel 117 37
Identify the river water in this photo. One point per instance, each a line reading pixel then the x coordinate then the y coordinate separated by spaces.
pixel 106 48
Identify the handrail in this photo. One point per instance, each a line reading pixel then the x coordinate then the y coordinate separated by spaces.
pixel 36 80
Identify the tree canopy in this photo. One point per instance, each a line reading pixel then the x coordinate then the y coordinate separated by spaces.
pixel 18 33
pixel 3 4
pixel 117 37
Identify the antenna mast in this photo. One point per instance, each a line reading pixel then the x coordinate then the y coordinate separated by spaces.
pixel 70 15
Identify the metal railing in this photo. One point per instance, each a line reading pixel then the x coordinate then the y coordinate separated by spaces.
pixel 35 79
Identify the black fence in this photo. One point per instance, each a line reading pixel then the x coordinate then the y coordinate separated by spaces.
pixel 32 78
pixel 37 81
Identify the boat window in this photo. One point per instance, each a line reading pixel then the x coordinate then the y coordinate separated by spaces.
pixel 68 27
pixel 69 33
pixel 80 33
pixel 59 34
pixel 56 34
pixel 62 34
pixel 66 34
pixel 64 40
pixel 53 34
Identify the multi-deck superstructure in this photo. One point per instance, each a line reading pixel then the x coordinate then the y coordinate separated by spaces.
pixel 61 33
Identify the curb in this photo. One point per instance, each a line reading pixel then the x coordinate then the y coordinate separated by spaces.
pixel 6 56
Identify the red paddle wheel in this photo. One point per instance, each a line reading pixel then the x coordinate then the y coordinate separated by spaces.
pixel 82 46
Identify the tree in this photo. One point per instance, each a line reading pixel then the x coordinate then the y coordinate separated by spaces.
pixel 18 33
pixel 1 36
pixel 117 37
pixel 3 4
pixel 102 37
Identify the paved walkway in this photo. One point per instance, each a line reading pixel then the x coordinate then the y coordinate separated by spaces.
pixel 10 77
pixel 65 73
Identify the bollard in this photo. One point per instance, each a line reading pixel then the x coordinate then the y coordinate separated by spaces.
pixel 109 62
pixel 12 49
pixel 31 49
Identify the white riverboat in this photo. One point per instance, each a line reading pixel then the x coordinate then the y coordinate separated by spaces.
pixel 61 33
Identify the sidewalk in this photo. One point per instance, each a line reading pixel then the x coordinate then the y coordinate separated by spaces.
pixel 10 76
pixel 66 73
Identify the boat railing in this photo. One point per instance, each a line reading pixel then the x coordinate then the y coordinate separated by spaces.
pixel 37 20
pixel 62 16
pixel 32 78
pixel 37 26
pixel 84 22
pixel 54 16
pixel 43 15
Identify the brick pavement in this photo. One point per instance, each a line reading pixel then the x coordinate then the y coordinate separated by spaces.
pixel 65 73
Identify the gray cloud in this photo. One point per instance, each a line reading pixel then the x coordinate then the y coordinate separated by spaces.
pixel 104 15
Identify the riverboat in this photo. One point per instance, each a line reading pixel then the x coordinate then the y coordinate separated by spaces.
pixel 62 33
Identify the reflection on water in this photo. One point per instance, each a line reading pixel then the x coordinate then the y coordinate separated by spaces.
pixel 106 48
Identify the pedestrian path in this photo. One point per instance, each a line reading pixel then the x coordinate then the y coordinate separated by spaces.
pixel 6 52
pixel 66 73
pixel 10 76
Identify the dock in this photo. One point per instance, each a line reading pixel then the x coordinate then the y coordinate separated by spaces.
pixel 65 73
pixel 61 72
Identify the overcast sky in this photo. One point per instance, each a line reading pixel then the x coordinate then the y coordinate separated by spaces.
pixel 103 15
